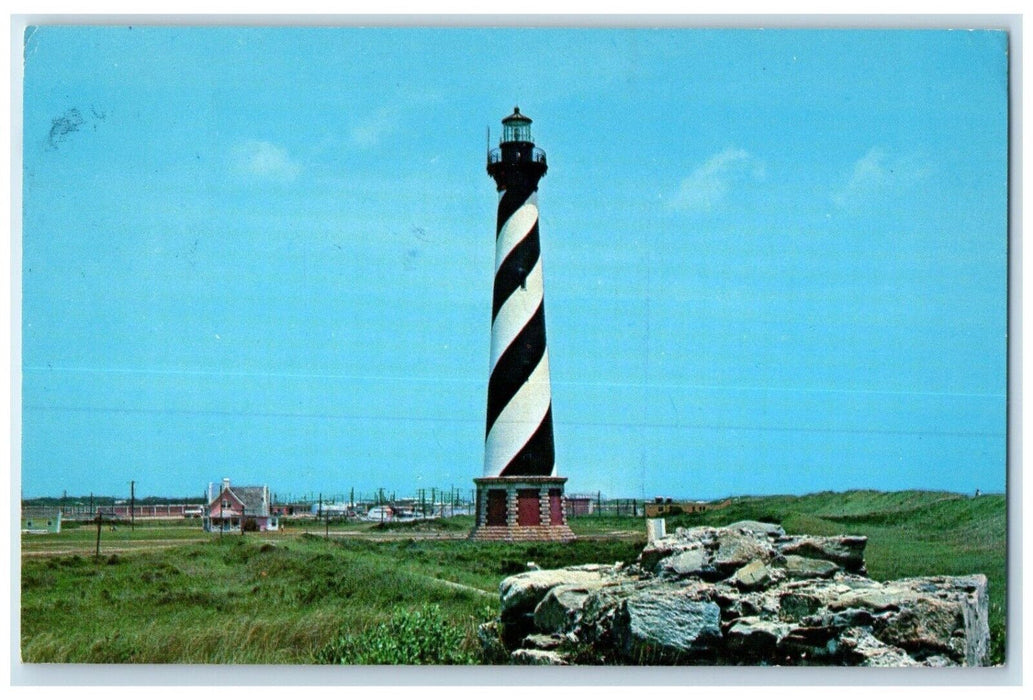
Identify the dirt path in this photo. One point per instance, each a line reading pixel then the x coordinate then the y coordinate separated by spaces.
pixel 387 536
pixel 33 547
pixel 36 548
pixel 457 586
pixel 65 549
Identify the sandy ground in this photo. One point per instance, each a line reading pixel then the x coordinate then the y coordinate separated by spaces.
pixel 38 546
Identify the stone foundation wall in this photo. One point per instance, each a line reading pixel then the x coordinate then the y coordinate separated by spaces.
pixel 514 530
pixel 539 533
pixel 746 594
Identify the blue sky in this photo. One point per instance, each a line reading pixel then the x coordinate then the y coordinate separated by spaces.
pixel 775 261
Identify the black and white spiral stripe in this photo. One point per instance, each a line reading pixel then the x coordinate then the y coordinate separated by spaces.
pixel 518 439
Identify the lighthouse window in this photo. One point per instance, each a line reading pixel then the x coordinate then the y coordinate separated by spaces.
pixel 517 132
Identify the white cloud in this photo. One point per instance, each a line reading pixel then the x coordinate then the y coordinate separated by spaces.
pixel 876 175
pixel 266 161
pixel 369 132
pixel 709 184
pixel 368 127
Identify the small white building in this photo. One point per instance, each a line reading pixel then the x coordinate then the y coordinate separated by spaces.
pixel 41 521
pixel 331 510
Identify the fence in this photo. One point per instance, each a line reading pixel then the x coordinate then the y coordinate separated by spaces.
pixel 431 502
pixel 81 511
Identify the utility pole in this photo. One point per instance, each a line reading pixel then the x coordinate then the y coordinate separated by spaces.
pixel 132 506
pixel 98 519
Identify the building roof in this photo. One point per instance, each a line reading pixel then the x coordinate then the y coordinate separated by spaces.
pixel 255 500
pixel 516 116
pixel 40 512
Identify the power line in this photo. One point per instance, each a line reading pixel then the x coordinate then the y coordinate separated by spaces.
pixel 453 419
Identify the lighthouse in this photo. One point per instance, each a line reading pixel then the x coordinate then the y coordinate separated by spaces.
pixel 519 495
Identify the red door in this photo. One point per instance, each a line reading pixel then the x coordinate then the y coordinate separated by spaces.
pixel 555 507
pixel 496 507
pixel 529 512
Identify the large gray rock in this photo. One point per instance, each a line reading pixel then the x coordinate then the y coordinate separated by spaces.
pixel 771 530
pixel 863 649
pixel 798 567
pixel 755 638
pixel 545 642
pixel 940 615
pixel 927 617
pixel 521 594
pixel 713 553
pixel 795 604
pixel 599 610
pixel 755 575
pixel 847 551
pixel 538 657
pixel 694 561
pixel 674 544
pixel 654 626
pixel 560 609
pixel 855 592
pixel 974 597
pixel 737 548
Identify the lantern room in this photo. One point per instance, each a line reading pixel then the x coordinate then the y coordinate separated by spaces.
pixel 516 128
pixel 517 161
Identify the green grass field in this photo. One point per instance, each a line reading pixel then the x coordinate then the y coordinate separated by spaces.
pixel 169 593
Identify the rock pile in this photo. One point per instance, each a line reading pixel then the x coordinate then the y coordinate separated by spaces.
pixel 738 595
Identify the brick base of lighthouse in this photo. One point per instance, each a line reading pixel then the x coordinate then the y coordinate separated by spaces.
pixel 521 508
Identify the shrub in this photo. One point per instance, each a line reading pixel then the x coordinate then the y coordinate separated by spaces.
pixel 420 636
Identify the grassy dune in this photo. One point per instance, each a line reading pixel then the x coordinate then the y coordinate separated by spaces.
pixel 287 599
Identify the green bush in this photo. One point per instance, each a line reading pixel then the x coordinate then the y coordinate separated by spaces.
pixel 419 636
